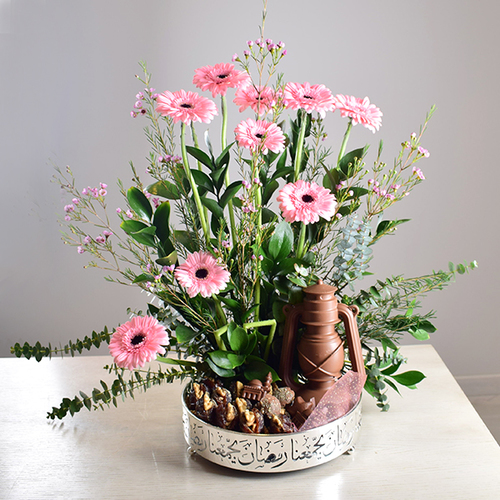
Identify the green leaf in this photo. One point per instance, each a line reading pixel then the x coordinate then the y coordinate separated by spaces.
pixel 218 177
pixel 143 277
pixel 269 189
pixel 202 180
pixel 185 239
pixel 223 158
pixel 201 156
pixel 184 334
pixel 236 359
pixel 165 189
pixel 281 242
pixel 332 179
pixel 256 368
pixel 220 358
pixel 461 269
pixel 145 236
pixel 238 339
pixel 222 372
pixel 167 260
pixel 139 203
pixel 161 221
pixel 391 369
pixel 451 267
pixel 252 342
pixel 388 344
pixel 229 193
pixel 419 333
pixel 132 226
pixel 267 215
pixel 347 162
pixel 213 206
pixel 409 378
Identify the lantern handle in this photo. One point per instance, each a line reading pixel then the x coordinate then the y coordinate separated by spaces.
pixel 348 315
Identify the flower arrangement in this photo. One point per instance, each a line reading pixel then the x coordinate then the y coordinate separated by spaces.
pixel 223 236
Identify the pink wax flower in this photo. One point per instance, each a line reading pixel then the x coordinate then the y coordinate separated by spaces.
pixel 260 136
pixel 306 202
pixel 138 341
pixel 217 79
pixel 309 97
pixel 260 99
pixel 418 173
pixel 360 110
pixel 423 151
pixel 201 274
pixel 186 107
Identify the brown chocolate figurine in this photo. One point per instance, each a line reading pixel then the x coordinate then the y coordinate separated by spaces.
pixel 320 349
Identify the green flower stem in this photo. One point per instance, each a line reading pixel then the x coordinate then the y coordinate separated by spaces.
pixel 195 141
pixel 344 140
pixel 221 317
pixel 256 324
pixel 258 236
pixel 302 240
pixel 224 121
pixel 218 338
pixel 230 206
pixel 194 187
pixel 300 147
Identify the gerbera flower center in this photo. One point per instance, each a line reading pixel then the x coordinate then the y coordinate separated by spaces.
pixel 259 136
pixel 201 274
pixel 222 76
pixel 186 105
pixel 307 198
pixel 138 339
pixel 308 97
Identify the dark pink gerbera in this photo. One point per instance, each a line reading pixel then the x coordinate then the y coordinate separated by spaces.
pixel 308 97
pixel 260 99
pixel 186 107
pixel 138 341
pixel 360 110
pixel 260 136
pixel 219 78
pixel 306 202
pixel 201 274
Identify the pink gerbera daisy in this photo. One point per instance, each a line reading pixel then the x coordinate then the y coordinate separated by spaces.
pixel 219 78
pixel 186 106
pixel 308 97
pixel 201 274
pixel 260 99
pixel 138 341
pixel 360 110
pixel 306 202
pixel 260 136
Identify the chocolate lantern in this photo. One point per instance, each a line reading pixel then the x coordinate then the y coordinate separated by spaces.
pixel 320 349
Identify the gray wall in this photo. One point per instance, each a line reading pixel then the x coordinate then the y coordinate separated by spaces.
pixel 67 85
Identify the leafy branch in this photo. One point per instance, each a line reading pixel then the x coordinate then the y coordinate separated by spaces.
pixel 39 352
pixel 107 395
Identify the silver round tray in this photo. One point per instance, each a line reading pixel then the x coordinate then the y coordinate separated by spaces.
pixel 271 452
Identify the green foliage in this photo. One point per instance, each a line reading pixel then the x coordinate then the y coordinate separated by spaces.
pixel 39 352
pixel 120 388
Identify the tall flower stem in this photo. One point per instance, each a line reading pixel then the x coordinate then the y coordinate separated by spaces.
pixel 230 206
pixel 300 146
pixel 344 140
pixel 195 141
pixel 258 236
pixel 194 187
pixel 302 240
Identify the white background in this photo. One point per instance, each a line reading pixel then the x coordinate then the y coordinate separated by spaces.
pixel 67 87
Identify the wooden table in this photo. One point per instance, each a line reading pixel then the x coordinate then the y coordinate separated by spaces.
pixel 430 445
